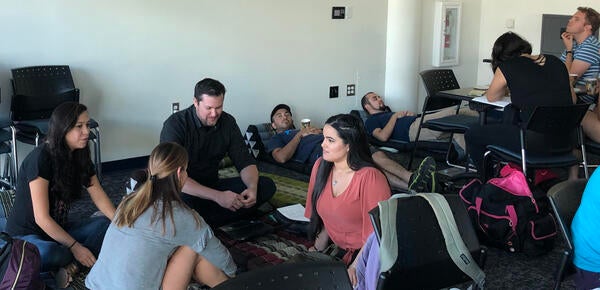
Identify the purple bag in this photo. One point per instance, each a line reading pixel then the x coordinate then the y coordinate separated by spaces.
pixel 508 215
pixel 19 264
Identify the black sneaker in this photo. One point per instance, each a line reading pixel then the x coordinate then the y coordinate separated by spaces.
pixel 423 180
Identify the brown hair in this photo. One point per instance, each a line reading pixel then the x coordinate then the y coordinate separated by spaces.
pixel 162 184
pixel 591 17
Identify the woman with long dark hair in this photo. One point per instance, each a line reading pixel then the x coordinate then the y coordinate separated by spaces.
pixel 155 239
pixel 532 80
pixel 344 185
pixel 51 178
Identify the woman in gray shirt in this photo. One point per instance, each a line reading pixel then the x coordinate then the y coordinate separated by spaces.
pixel 155 240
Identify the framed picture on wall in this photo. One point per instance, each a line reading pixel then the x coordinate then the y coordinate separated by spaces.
pixel 446 33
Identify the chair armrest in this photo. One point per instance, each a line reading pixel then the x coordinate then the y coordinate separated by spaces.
pixel 93 123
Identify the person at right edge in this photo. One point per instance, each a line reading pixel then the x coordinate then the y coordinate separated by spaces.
pixel 585 231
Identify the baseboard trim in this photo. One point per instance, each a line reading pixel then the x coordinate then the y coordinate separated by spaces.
pixel 125 164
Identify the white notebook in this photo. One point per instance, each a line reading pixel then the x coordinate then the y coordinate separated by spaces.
pixel 294 212
pixel 502 103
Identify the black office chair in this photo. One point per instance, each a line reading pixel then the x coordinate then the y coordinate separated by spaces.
pixel 436 80
pixel 8 175
pixel 565 198
pixel 435 148
pixel 37 90
pixel 423 261
pixel 593 148
pixel 292 276
pixel 547 139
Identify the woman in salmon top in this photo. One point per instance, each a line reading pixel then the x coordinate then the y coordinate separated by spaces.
pixel 345 184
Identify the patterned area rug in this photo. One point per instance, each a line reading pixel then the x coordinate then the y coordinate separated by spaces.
pixel 279 246
pixel 504 270
pixel 271 249
pixel 289 191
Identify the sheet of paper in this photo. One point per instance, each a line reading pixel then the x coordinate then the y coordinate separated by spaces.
pixel 502 103
pixel 294 212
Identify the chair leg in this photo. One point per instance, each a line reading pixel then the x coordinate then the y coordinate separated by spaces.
pixel 584 161
pixel 523 162
pixel 414 151
pixel 13 171
pixel 561 269
pixel 466 167
pixel 486 161
pixel 97 156
pixel 14 152
pixel 4 175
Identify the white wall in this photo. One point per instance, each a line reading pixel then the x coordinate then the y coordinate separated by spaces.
pixel 409 54
pixel 403 46
pixel 527 17
pixel 466 70
pixel 132 59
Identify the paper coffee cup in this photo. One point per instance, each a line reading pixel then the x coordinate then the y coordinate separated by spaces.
pixel 590 86
pixel 305 123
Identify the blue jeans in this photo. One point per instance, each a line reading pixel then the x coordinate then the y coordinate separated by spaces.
pixel 89 232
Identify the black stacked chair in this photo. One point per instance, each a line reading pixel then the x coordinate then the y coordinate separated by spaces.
pixel 37 90
pixel 7 149
pixel 437 80
pixel 8 177
pixel 547 139
pixel 565 198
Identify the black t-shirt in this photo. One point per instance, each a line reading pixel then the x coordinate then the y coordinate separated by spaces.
pixel 22 221
pixel 533 85
pixel 206 146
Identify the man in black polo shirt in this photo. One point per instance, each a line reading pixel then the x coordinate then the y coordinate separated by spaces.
pixel 209 134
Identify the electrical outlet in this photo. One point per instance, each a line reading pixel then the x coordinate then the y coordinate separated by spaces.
pixel 333 92
pixel 350 90
pixel 175 108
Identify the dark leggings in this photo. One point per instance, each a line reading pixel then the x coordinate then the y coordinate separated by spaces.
pixel 217 216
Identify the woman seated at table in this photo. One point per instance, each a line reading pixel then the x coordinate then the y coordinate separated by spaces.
pixel 532 80
pixel 344 185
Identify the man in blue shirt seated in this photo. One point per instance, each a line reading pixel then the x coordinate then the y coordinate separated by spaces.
pixel 582 49
pixel 386 125
pixel 304 146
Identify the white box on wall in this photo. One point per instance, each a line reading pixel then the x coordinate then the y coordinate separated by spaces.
pixel 446 33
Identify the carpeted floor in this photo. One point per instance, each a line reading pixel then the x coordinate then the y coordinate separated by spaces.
pixel 504 270
pixel 289 190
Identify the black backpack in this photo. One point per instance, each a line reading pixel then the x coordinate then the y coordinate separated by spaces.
pixel 20 264
pixel 509 215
